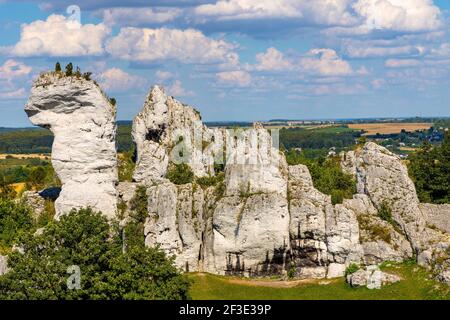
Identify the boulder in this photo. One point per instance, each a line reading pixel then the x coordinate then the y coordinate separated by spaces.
pixel 84 157
pixel 371 277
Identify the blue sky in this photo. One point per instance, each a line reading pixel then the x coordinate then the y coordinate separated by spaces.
pixel 238 59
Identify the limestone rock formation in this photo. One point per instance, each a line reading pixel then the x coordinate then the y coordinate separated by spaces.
pixel 84 152
pixel 437 216
pixel 166 129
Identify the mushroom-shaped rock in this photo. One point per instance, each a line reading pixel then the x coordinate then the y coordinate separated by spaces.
pixel 84 153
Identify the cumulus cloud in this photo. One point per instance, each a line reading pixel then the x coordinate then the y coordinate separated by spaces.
pixel 12 69
pixel 237 78
pixel 325 62
pixel 272 60
pixel 186 46
pixel 58 36
pixel 163 75
pixel 139 16
pixel 177 90
pixel 115 79
pixel 13 74
pixel 365 50
pixel 399 15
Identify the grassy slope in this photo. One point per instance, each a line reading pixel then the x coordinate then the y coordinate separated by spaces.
pixel 415 286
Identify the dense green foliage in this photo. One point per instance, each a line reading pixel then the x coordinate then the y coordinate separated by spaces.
pixel 180 174
pixel 429 168
pixel 85 239
pixel 26 141
pixel 327 175
pixel 15 219
pixel 325 138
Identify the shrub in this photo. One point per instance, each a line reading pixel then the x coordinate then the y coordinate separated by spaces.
pixel 126 166
pixel 352 268
pixel 210 181
pixel 58 67
pixel 69 70
pixel 180 174
pixel 86 240
pixel 15 219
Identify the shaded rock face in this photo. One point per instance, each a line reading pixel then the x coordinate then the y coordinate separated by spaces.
pixel 167 130
pixel 84 152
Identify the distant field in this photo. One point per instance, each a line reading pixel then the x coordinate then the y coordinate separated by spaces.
pixel 40 156
pixel 388 128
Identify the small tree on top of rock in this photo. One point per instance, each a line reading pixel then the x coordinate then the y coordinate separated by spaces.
pixel 69 70
pixel 58 67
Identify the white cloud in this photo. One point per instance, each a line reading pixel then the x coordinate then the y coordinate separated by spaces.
pixel 13 69
pixel 163 75
pixel 325 62
pixel 115 79
pixel 139 16
pixel 235 78
pixel 186 46
pixel 272 60
pixel 177 90
pixel 320 12
pixel 399 15
pixel 13 74
pixel 58 36
pixel 401 63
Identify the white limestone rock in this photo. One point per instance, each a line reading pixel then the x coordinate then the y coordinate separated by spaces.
pixel 372 278
pixel 437 216
pixel 176 223
pixel 84 152
pixel 251 234
pixel 156 132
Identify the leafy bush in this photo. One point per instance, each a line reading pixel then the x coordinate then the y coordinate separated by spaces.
pixel 126 166
pixel 210 181
pixel 327 176
pixel 15 219
pixel 180 174
pixel 351 269
pixel 85 239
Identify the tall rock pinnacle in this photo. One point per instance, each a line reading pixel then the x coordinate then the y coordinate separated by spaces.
pixel 84 153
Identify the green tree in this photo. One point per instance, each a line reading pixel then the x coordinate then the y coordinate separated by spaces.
pixel 429 168
pixel 15 219
pixel 69 70
pixel 58 67
pixel 86 240
pixel 37 177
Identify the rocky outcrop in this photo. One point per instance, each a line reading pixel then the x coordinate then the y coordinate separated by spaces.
pixel 264 218
pixel 383 177
pixel 371 277
pixel 168 131
pixel 84 152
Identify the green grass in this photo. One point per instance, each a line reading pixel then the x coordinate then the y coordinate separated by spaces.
pixel 334 129
pixel 416 285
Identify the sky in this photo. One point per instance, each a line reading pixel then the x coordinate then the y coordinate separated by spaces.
pixel 237 60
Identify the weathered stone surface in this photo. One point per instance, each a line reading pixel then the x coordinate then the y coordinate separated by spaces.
pixel 371 277
pixel 437 216
pixel 251 234
pixel 84 153
pixel 156 132
pixel 177 223
pixel 3 265
pixel 384 179
pixel 34 201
